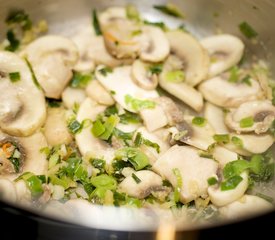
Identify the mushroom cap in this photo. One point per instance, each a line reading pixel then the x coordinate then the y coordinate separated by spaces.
pixel 72 96
pixel 20 115
pixel 52 58
pixel 193 55
pixel 223 93
pixel 226 51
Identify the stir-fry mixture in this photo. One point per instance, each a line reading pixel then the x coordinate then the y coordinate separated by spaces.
pixel 129 112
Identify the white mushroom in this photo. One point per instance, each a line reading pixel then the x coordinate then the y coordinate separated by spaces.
pixel 149 182
pixel 72 96
pixel 110 14
pixel 247 205
pixel 23 193
pixel 142 75
pixel 157 47
pixel 221 198
pixel 194 171
pixel 223 93
pixel 260 113
pixel 225 51
pixel 121 76
pixel 195 59
pixel 215 116
pixel 223 155
pixel 52 58
pixel 88 145
pixel 7 191
pixel 22 104
pixel 99 94
pixel 55 129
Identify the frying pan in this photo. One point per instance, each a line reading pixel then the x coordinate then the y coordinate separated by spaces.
pixel 203 18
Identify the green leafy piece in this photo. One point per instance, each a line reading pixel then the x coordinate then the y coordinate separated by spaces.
pixel 139 140
pixel 136 32
pixel 129 117
pixel 156 68
pixel 170 9
pixel 135 177
pixel 111 110
pixel 247 30
pixel 231 183
pixel 119 198
pixel 19 17
pixel 237 141
pixel 123 135
pixel 156 24
pixel 133 202
pixel 105 71
pixel 132 12
pixel 247 80
pixel 256 163
pixel 212 181
pixel 234 74
pixel 199 121
pixel 99 164
pixel 109 126
pixel 104 181
pixel 96 24
pixel 98 128
pixel 89 188
pixel 34 183
pixel 54 159
pixel 53 103
pixel 178 187
pixel 80 80
pixel 247 122
pixel 221 138
pixel 175 76
pixel 137 104
pixel 235 168
pixel 34 79
pixel 74 126
pixel 182 27
pixel 15 76
pixel 13 41
pixel 265 197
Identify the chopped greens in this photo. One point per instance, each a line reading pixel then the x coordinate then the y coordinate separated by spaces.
pixel 221 138
pixel 178 187
pixel 176 76
pixel 19 17
pixel 156 24
pixel 139 140
pixel 212 181
pixel 170 9
pixel 135 177
pixel 15 76
pixel 234 74
pixel 247 122
pixel 105 71
pixel 155 68
pixel 104 181
pixel 33 182
pixel 138 104
pixel 199 121
pixel 34 79
pixel 53 103
pixel 96 24
pixel 99 164
pixel 237 141
pixel 80 80
pixel 231 183
pixel 13 41
pixel 247 30
pixel 129 117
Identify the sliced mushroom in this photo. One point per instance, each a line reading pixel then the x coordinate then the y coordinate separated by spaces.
pixel 197 136
pixel 111 14
pixel 194 171
pixel 22 104
pixel 223 155
pixel 90 146
pixel 28 155
pixel 99 94
pixel 23 193
pixel 251 144
pixel 72 96
pixel 223 93
pixel 7 191
pixel 221 198
pixel 149 182
pixel 52 58
pixel 245 206
pixel 225 51
pixel 215 116
pixel 121 76
pixel 142 76
pixel 157 47
pixel 195 59
pixel 262 114
pixel 55 129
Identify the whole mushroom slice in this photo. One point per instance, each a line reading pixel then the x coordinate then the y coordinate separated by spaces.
pixel 194 171
pixel 247 205
pixel 55 129
pixel 221 198
pixel 90 146
pixel 73 96
pixel 225 51
pixel 142 75
pixel 221 92
pixel 99 94
pixel 149 182
pixel 120 82
pixel 260 114
pixel 111 14
pixel 25 153
pixel 52 58
pixel 22 104
pixel 157 47
pixel 223 155
pixel 251 143
pixel 194 57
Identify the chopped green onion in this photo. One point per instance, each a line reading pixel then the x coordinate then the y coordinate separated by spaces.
pixel 123 135
pixel 221 138
pixel 104 181
pixel 176 76
pixel 247 30
pixel 156 24
pixel 74 126
pixel 98 128
pixel 231 183
pixel 80 80
pixel 247 122
pixel 247 80
pixel 33 183
pixel 132 12
pixel 105 71
pixel 135 177
pixel 133 202
pixel 53 103
pixel 99 164
pixel 138 104
pixel 13 41
pixel 136 32
pixel 111 111
pixel 212 181
pixel 140 140
pixel 53 160
pixel 34 79
pixel 265 197
pixel 170 9
pixel 96 24
pixel 109 126
pixel 235 168
pixel 19 17
pixel 129 117
pixel 15 76
pixel 237 141
pixel 155 68
pixel 178 187
pixel 256 163
pixel 234 74
pixel 199 121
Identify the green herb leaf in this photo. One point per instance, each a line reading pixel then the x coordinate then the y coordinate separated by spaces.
pixel 247 30
pixel 109 126
pixel 15 77
pixel 237 141
pixel 104 181
pixel 212 181
pixel 234 74
pixel 170 9
pixel 80 80
pixel 129 117
pixel 155 68
pixel 247 122
pixel 105 71
pixel 74 126
pixel 176 76
pixel 99 164
pixel 132 12
pixel 96 24
pixel 221 138
pixel 33 183
pixel 13 41
pixel 235 168
pixel 156 24
pixel 178 187
pixel 199 121
pixel 123 135
pixel 137 104
pixel 98 128
pixel 135 177
pixel 231 183
pixel 19 17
